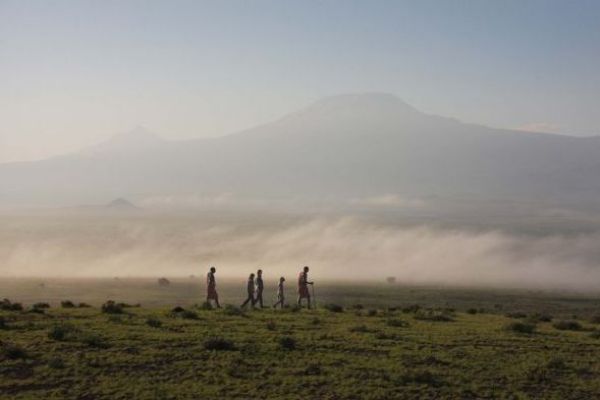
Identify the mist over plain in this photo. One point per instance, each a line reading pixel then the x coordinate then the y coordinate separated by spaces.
pixel 338 246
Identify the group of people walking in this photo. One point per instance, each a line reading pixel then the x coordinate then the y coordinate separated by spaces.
pixel 255 288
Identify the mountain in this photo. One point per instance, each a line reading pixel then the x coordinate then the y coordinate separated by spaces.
pixel 349 146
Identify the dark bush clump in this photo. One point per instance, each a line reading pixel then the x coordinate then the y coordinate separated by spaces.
pixel 56 363
pixel 357 307
pixel 336 308
pixel 67 304
pixel 83 305
pixel 397 323
pixel 6 305
pixel 413 308
pixel 567 325
pixel 177 310
pixel 233 311
pixel 3 323
pixel 271 325
pixel 206 306
pixel 424 377
pixel 287 343
pixel 516 315
pixel 37 310
pixel 359 329
pixel 434 316
pixel 41 305
pixel 472 311
pixel 539 317
pixel 94 340
pixel 521 327
pixel 218 343
pixel 371 313
pixel 110 307
pixel 189 314
pixel 154 322
pixel 12 351
pixel 595 319
pixel 62 332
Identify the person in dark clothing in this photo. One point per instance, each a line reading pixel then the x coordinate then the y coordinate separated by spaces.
pixel 303 283
pixel 211 284
pixel 280 295
pixel 250 289
pixel 259 287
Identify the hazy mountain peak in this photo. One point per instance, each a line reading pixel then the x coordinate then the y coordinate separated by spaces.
pixel 121 203
pixel 138 135
pixel 369 99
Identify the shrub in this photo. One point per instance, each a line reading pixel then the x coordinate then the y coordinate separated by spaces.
pixel 3 323
pixel 219 344
pixel 83 305
pixel 595 335
pixel 359 329
pixel 411 308
pixel 287 343
pixel 37 310
pixel 595 319
pixel 206 306
pixel 188 314
pixel 8 306
pixel 371 313
pixel 56 363
pixel 516 315
pixel 94 340
pixel 472 311
pixel 521 327
pixel 67 304
pixel 357 307
pixel 233 311
pixel 315 321
pixel 434 316
pixel 567 325
pixel 154 322
pixel 425 377
pixel 13 351
pixel 41 305
pixel 271 325
pixel 538 317
pixel 61 332
pixel 177 309
pixel 110 307
pixel 336 308
pixel 397 323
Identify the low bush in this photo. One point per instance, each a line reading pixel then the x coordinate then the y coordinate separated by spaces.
pixel 3 324
pixel 56 363
pixel 433 316
pixel 521 327
pixel 94 340
pixel 595 319
pixel 188 314
pixel 219 344
pixel 287 343
pixel 516 315
pixel 67 304
pixel 336 308
pixel 233 311
pixel 539 317
pixel 110 307
pixel 177 310
pixel 12 351
pixel 83 305
pixel 595 335
pixel 41 305
pixel 154 322
pixel 371 313
pixel 413 308
pixel 205 306
pixel 567 326
pixel 7 305
pixel 472 311
pixel 62 332
pixel 359 329
pixel 271 325
pixel 397 323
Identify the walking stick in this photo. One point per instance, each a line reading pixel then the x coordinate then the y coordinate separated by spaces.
pixel 313 296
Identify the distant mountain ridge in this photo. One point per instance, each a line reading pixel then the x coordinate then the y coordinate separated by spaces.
pixel 348 146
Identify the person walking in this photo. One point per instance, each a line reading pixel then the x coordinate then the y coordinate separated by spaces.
pixel 259 286
pixel 303 283
pixel 211 287
pixel 280 295
pixel 250 290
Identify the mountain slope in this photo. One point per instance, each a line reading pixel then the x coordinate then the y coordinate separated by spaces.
pixel 343 146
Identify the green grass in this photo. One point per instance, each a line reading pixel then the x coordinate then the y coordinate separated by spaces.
pixel 153 353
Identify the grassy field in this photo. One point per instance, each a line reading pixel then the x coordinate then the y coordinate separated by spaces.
pixel 358 351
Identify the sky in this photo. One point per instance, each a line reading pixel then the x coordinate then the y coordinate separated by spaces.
pixel 73 73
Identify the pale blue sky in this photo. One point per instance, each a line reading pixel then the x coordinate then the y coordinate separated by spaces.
pixel 74 72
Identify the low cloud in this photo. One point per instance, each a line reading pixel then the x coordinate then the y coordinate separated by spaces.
pixel 343 248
